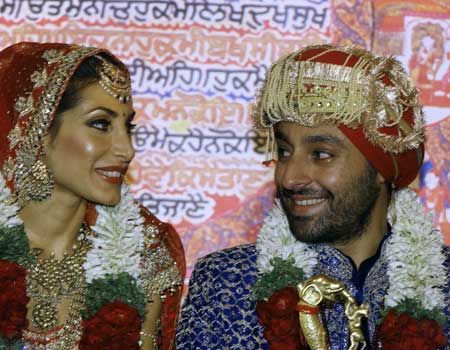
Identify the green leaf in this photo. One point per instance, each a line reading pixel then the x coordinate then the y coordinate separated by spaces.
pixel 284 274
pixel 6 344
pixel 121 287
pixel 415 309
pixel 14 245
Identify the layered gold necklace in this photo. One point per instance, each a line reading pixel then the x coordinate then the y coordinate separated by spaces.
pixel 49 281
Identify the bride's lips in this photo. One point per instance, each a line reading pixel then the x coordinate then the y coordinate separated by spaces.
pixel 113 174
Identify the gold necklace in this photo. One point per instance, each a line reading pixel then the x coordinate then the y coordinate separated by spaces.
pixel 50 280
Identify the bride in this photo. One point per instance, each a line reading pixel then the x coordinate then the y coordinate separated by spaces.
pixel 82 265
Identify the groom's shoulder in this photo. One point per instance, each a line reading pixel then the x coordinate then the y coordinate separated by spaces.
pixel 239 259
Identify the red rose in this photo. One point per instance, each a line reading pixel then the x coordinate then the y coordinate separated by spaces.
pixel 285 344
pixel 115 326
pixel 280 319
pixel 283 302
pixel 403 332
pixel 282 327
pixel 389 322
pixel 118 313
pixel 263 313
pixel 430 331
pixel 13 300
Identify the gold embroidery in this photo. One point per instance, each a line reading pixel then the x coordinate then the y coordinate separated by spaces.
pixel 53 56
pixel 14 137
pixel 314 93
pixel 159 270
pixel 30 148
pixel 8 169
pixel 24 105
pixel 39 183
pixel 39 78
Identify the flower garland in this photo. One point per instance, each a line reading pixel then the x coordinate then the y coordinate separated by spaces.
pixel 115 299
pixel 416 274
pixel 415 264
pixel 276 240
pixel 8 207
pixel 282 260
pixel 119 242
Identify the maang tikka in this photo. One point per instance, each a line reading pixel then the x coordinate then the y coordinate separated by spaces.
pixel 115 81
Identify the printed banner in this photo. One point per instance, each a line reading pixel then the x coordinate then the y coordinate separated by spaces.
pixel 196 68
pixel 418 33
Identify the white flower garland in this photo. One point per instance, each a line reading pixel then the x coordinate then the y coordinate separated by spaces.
pixel 119 239
pixel 119 242
pixel 8 207
pixel 276 240
pixel 414 251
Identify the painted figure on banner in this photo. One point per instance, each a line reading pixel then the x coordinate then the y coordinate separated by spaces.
pixel 445 82
pixel 434 187
pixel 82 265
pixel 427 53
pixel 345 132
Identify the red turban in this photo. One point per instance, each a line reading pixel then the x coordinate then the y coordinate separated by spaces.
pixel 370 99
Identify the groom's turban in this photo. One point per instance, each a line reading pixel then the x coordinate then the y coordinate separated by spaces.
pixel 369 98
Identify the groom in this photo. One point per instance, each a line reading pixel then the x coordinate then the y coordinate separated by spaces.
pixel 347 127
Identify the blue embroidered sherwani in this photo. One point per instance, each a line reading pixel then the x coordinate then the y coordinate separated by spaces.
pixel 219 312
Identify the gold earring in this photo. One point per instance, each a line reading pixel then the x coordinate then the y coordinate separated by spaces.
pixel 37 186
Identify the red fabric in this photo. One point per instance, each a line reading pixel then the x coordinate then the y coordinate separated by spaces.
pixel 91 214
pixel 408 163
pixel 13 300
pixel 306 309
pixel 116 325
pixel 171 306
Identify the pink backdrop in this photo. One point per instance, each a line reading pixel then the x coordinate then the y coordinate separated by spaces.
pixel 195 68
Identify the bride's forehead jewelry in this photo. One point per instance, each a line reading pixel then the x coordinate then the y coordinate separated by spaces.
pixel 114 81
